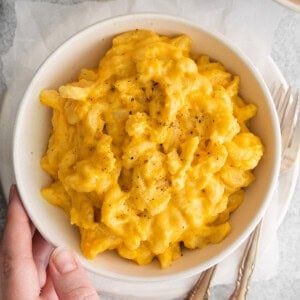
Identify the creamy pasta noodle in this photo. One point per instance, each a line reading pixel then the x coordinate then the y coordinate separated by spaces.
pixel 151 151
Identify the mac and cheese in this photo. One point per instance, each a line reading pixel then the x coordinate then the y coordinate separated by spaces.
pixel 151 150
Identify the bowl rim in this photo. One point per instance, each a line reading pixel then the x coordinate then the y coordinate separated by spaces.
pixel 275 170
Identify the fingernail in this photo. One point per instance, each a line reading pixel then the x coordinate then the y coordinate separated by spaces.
pixel 12 192
pixel 64 260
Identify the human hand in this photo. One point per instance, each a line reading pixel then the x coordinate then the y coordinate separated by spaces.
pixel 30 269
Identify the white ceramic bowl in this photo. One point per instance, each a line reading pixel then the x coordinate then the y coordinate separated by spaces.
pixel 33 126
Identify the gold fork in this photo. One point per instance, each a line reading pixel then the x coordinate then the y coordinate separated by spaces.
pixel 288 112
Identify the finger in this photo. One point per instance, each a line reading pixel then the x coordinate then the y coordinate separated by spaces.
pixel 69 278
pixel 18 273
pixel 41 253
pixel 48 292
pixel 17 226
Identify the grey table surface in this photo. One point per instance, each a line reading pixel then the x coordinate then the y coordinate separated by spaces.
pixel 286 54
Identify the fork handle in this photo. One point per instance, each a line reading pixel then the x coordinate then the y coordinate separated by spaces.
pixel 200 290
pixel 246 266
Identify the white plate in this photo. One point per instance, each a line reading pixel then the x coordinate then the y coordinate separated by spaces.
pixel 151 290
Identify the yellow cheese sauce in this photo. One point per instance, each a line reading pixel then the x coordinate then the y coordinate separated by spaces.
pixel 151 151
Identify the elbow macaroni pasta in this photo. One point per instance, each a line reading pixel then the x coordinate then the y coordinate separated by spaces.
pixel 151 150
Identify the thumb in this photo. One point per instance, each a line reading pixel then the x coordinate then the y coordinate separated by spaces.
pixel 69 278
